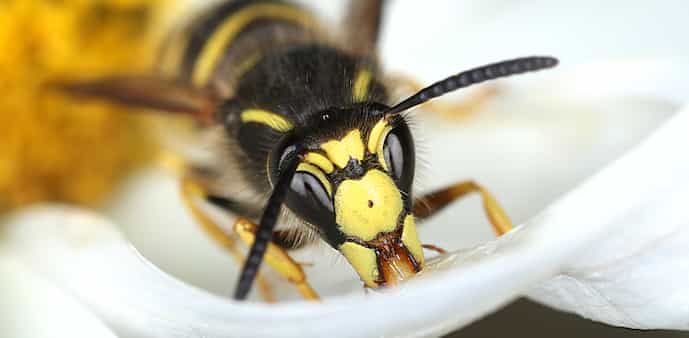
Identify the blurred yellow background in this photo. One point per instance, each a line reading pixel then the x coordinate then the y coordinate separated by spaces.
pixel 52 147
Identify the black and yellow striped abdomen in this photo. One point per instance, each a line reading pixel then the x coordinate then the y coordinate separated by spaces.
pixel 221 44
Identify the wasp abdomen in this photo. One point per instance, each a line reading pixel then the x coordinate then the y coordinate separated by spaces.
pixel 217 47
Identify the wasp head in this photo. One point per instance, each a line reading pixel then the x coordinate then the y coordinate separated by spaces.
pixel 353 186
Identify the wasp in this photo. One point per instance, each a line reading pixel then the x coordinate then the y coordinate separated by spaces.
pixel 310 144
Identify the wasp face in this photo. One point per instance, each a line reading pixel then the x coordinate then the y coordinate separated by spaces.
pixel 354 186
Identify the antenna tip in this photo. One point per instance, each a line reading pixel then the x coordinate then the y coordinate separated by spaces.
pixel 546 61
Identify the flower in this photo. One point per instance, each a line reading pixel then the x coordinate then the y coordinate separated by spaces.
pixel 589 159
pixel 52 147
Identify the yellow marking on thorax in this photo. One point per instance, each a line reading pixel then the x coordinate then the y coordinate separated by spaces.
pixel 213 49
pixel 363 260
pixel 320 161
pixel 313 170
pixel 410 239
pixel 340 151
pixel 270 119
pixel 367 207
pixel 361 85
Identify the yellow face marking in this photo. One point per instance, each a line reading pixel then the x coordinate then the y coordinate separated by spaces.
pixel 410 239
pixel 367 207
pixel 212 51
pixel 272 120
pixel 379 150
pixel 361 84
pixel 376 140
pixel 320 161
pixel 363 260
pixel 377 135
pixel 340 151
pixel 313 170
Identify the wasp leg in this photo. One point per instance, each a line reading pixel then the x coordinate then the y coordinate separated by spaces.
pixel 428 205
pixel 403 86
pixel 434 248
pixel 193 189
pixel 363 22
pixel 282 238
pixel 278 259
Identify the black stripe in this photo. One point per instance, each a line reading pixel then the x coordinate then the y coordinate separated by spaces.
pixel 204 29
pixel 207 25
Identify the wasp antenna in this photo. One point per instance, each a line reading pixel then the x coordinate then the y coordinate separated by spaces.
pixel 264 233
pixel 474 76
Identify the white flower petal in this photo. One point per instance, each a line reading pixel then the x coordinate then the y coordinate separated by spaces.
pixel 634 270
pixel 31 306
pixel 431 40
pixel 87 256
pixel 617 245
pixel 92 260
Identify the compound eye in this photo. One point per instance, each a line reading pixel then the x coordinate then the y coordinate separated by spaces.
pixel 276 161
pixel 399 157
pixel 285 153
pixel 310 196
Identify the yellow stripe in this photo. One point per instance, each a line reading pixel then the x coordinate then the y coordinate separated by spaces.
pixel 363 260
pixel 311 169
pixel 410 238
pixel 379 150
pixel 340 151
pixel 361 84
pixel 376 140
pixel 375 135
pixel 212 51
pixel 272 120
pixel 319 161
